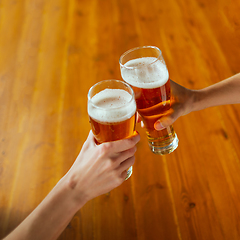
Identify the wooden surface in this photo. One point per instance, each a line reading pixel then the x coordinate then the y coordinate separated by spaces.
pixel 52 52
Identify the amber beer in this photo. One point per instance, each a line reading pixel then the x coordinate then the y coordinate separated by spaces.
pixel 112 114
pixel 145 70
pixel 112 111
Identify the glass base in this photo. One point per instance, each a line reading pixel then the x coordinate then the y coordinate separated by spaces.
pixel 129 173
pixel 163 150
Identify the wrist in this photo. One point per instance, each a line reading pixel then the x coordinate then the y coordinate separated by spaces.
pixel 196 98
pixel 189 101
pixel 77 197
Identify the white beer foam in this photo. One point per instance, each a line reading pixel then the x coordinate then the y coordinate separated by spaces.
pixel 146 72
pixel 112 105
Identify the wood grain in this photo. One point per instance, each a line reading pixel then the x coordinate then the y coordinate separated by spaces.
pixel 52 52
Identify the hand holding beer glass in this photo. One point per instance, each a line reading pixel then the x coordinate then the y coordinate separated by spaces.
pixel 145 70
pixel 112 111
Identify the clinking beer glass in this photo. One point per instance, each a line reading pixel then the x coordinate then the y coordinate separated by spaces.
pixel 145 70
pixel 112 111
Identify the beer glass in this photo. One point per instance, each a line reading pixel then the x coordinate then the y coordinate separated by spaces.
pixel 145 70
pixel 112 111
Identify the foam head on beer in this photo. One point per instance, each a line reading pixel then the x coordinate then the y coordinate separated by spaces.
pixel 112 105
pixel 145 72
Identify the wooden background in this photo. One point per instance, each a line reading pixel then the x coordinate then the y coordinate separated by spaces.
pixel 53 51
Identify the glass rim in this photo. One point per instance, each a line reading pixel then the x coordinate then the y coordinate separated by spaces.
pixel 137 48
pixel 110 80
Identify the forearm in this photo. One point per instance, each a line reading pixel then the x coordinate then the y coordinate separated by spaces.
pixel 51 217
pixel 221 93
pixel 97 170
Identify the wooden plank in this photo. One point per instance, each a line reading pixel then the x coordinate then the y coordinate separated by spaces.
pixel 52 52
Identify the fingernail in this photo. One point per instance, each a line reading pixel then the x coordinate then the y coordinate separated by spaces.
pixel 158 126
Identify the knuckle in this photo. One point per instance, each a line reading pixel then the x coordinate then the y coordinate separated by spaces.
pixel 108 165
pixel 132 151
pixel 131 143
pixel 116 178
pixel 132 160
pixel 119 181
pixel 105 147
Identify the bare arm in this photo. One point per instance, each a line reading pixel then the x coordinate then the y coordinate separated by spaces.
pixel 187 100
pixel 97 170
pixel 221 93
